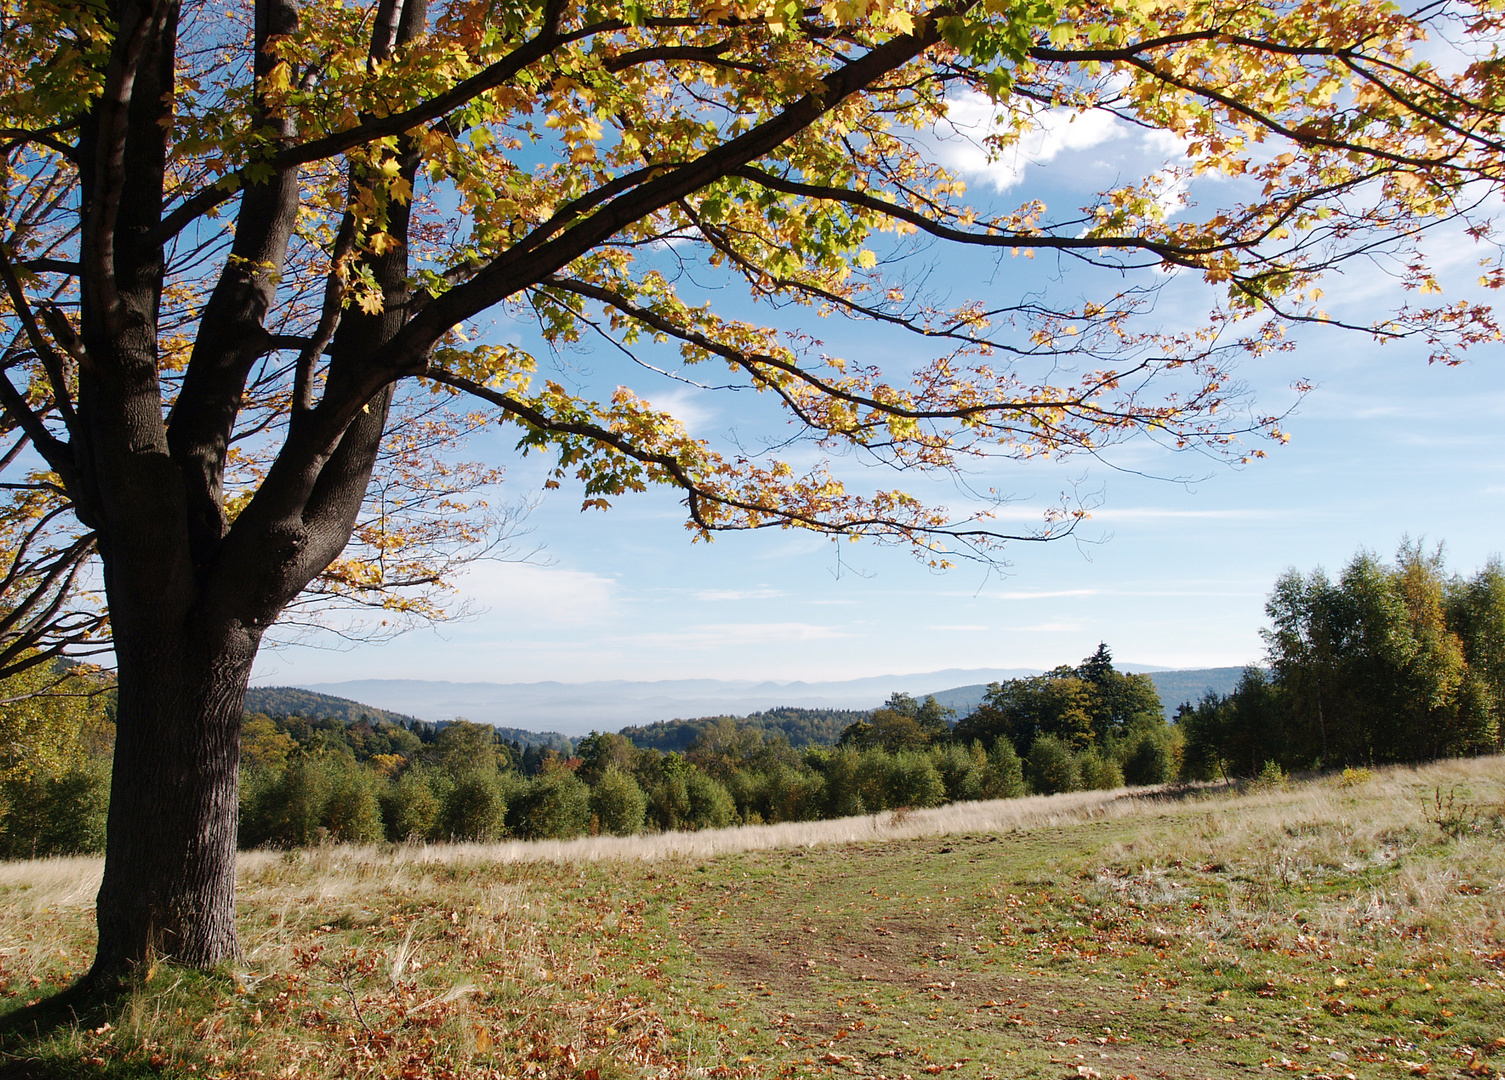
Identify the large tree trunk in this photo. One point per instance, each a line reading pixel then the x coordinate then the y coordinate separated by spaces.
pixel 189 594
pixel 169 883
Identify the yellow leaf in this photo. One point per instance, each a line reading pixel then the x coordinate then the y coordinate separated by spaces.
pixel 902 21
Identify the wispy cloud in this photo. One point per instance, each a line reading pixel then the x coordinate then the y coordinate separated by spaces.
pixel 719 635
pixel 1143 593
pixel 693 408
pixel 1161 513
pixel 761 592
pixel 1100 514
pixel 546 593
pixel 958 627
pixel 1043 594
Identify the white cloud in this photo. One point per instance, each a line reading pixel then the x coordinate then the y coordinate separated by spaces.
pixel 1170 188
pixel 544 593
pixel 955 627
pixel 970 118
pixel 692 408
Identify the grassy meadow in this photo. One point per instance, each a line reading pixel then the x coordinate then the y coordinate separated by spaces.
pixel 1340 927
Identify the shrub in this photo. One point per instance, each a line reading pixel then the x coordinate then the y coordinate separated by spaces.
pixel 871 778
pixel 59 814
pixel 618 803
pixel 1052 767
pixel 409 808
pixel 669 803
pixel 1270 776
pixel 294 805
pixel 1004 776
pixel 749 790
pixel 711 805
pixel 352 814
pixel 475 808
pixel 257 805
pixel 842 796
pixel 912 780
pixel 553 806
pixel 1098 773
pixel 1452 817
pixel 794 796
pixel 1149 761
pixel 962 770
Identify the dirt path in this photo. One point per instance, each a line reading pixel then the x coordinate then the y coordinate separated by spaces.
pixel 901 960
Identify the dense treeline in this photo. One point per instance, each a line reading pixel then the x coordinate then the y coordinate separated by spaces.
pixel 801 727
pixel 1089 726
pixel 1389 663
pixel 306 780
pixel 292 701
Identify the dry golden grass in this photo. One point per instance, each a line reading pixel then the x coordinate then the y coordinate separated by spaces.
pixel 1001 815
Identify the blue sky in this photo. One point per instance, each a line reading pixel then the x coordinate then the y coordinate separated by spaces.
pixel 1172 568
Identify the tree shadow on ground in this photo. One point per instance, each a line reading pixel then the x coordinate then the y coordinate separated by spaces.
pixel 34 1042
pixel 1188 791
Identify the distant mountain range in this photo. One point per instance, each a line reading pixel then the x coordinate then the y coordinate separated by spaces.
pixel 578 708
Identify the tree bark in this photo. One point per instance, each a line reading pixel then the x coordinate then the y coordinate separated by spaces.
pixel 169 885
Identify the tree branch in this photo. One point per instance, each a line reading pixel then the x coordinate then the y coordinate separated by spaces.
pixel 516 269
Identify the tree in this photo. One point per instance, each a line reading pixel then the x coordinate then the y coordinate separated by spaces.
pixel 1370 667
pixel 465 746
pixel 1051 766
pixel 54 755
pixel 1087 704
pixel 223 279
pixel 901 724
pixel 601 752
pixel 1120 701
pixel 617 803
pixel 1476 613
pixel 42 612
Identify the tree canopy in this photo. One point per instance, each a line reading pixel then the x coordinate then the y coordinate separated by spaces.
pixel 247 249
pixel 1091 704
pixel 1384 663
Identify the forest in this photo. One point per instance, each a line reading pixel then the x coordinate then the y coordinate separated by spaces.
pixel 801 727
pixel 1399 662
pixel 307 781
